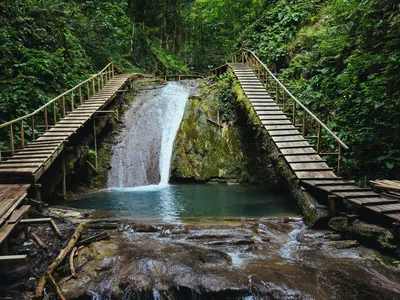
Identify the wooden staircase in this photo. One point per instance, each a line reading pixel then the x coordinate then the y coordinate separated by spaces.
pixel 289 124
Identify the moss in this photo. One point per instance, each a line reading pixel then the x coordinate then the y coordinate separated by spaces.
pixel 204 151
pixel 369 234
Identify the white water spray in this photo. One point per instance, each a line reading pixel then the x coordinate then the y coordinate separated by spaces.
pixel 177 96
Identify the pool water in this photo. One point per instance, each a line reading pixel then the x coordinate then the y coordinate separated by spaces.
pixel 171 203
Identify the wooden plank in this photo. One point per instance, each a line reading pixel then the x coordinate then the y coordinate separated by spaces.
pixel 5 231
pixel 276 122
pixel 297 138
pixel 328 182
pixel 356 194
pixel 18 214
pixel 343 188
pixel 315 175
pixel 281 145
pixel 19 165
pixel 373 201
pixel 308 165
pixel 35 221
pixel 284 133
pixel 304 158
pixel 297 151
pixel 5 259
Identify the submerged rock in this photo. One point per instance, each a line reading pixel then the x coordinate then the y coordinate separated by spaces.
pixel 194 264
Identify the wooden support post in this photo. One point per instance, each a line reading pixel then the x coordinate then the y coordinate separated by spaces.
pixel 64 180
pixel 98 84
pixel 38 197
pixel 0 156
pixel 87 89
pixel 80 95
pixel 63 106
pixel 33 128
pixel 102 80
pixel 46 122
pixel 113 70
pixel 332 204
pixel 294 113
pixel 304 129
pixel 283 101
pixel 95 142
pixel 22 135
pixel 319 138
pixel 340 160
pixel 93 86
pixel 276 94
pixel 54 113
pixel 11 140
pixel 72 101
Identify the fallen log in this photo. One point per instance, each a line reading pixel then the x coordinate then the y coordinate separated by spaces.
pixel 71 263
pixel 38 240
pixel 98 237
pixel 50 269
pixel 57 288
pixel 56 229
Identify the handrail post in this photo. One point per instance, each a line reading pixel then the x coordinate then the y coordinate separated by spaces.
pixel 283 101
pixel 319 138
pixel 87 90
pixel 11 140
pixel 63 106
pixel 46 124
pixel 55 113
pixel 304 123
pixel 340 159
pixel 80 95
pixel 113 71
pixel 72 101
pixel 93 86
pixel 294 113
pixel 33 128
pixel 22 135
pixel 98 84
pixel 276 94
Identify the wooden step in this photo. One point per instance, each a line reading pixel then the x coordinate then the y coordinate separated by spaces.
pixel 18 214
pixel 7 259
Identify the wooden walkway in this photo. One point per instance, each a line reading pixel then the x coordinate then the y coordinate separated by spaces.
pixel 29 164
pixel 305 162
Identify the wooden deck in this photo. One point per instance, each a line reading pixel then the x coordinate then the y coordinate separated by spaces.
pixel 300 155
pixel 29 164
pixel 11 195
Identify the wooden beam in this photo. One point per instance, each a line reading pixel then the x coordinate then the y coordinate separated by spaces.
pixel 5 259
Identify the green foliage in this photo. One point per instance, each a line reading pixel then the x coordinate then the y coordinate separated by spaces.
pixel 341 58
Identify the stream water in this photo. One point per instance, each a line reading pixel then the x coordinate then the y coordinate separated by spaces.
pixel 261 252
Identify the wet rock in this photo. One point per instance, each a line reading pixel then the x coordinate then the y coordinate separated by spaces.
pixel 369 234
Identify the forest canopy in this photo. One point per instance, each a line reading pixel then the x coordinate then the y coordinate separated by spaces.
pixel 341 58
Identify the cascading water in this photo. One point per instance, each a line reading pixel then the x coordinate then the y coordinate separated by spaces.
pixel 143 154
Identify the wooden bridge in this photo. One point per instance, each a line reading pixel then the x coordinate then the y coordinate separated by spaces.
pixel 51 126
pixel 292 127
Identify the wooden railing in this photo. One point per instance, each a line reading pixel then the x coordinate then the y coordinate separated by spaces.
pixel 52 111
pixel 301 116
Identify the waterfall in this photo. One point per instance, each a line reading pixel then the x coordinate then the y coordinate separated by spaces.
pixel 142 156
pixel 177 95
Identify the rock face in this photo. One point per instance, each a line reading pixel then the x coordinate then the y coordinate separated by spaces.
pixel 216 143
